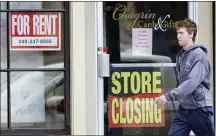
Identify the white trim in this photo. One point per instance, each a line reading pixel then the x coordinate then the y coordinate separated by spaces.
pixel 78 69
pixel 100 81
pixel 193 13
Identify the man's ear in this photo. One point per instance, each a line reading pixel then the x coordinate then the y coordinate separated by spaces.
pixel 191 35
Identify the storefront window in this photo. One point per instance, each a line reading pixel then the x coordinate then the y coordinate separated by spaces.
pixel 3 83
pixel 34 68
pixel 37 5
pixel 141 38
pixel 35 107
pixel 120 18
pixel 3 40
pixel 30 59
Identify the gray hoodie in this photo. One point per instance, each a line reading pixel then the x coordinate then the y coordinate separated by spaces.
pixel 193 70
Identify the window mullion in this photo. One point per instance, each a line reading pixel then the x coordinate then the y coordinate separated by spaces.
pixel 8 73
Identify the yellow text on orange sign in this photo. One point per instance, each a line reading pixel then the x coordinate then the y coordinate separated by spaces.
pixel 136 110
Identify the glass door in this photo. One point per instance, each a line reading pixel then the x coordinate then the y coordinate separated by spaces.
pixel 141 41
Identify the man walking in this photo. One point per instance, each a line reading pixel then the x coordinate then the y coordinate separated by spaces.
pixel 193 93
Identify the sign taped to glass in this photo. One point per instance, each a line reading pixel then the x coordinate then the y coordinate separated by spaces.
pixel 35 31
pixel 131 95
pixel 142 41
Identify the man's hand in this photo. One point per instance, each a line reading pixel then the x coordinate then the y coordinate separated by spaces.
pixel 160 100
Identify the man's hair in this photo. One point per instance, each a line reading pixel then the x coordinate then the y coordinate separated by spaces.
pixel 190 26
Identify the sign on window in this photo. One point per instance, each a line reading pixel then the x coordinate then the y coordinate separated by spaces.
pixel 131 97
pixel 35 31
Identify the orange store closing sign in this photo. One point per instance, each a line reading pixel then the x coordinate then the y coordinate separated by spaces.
pixel 131 98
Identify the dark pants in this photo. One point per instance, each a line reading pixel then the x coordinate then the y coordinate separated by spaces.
pixel 198 120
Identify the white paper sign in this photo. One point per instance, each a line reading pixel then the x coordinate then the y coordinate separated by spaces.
pixel 142 41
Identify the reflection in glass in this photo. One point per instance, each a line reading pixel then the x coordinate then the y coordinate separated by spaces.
pixel 3 41
pixel 121 20
pixel 3 87
pixel 121 17
pixel 36 5
pixel 37 99
pixel 3 5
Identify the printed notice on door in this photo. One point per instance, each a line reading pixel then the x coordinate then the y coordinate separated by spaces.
pixel 142 41
pixel 35 31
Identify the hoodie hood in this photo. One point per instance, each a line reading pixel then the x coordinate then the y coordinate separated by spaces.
pixel 194 46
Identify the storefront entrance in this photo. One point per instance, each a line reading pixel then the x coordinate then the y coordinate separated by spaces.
pixel 141 42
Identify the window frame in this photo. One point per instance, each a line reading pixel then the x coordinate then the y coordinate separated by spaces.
pixel 66 70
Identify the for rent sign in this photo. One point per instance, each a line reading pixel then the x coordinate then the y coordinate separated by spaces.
pixel 35 31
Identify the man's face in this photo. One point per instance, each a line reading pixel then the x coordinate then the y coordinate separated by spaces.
pixel 183 36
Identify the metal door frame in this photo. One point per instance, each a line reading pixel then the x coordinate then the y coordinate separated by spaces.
pixel 100 80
